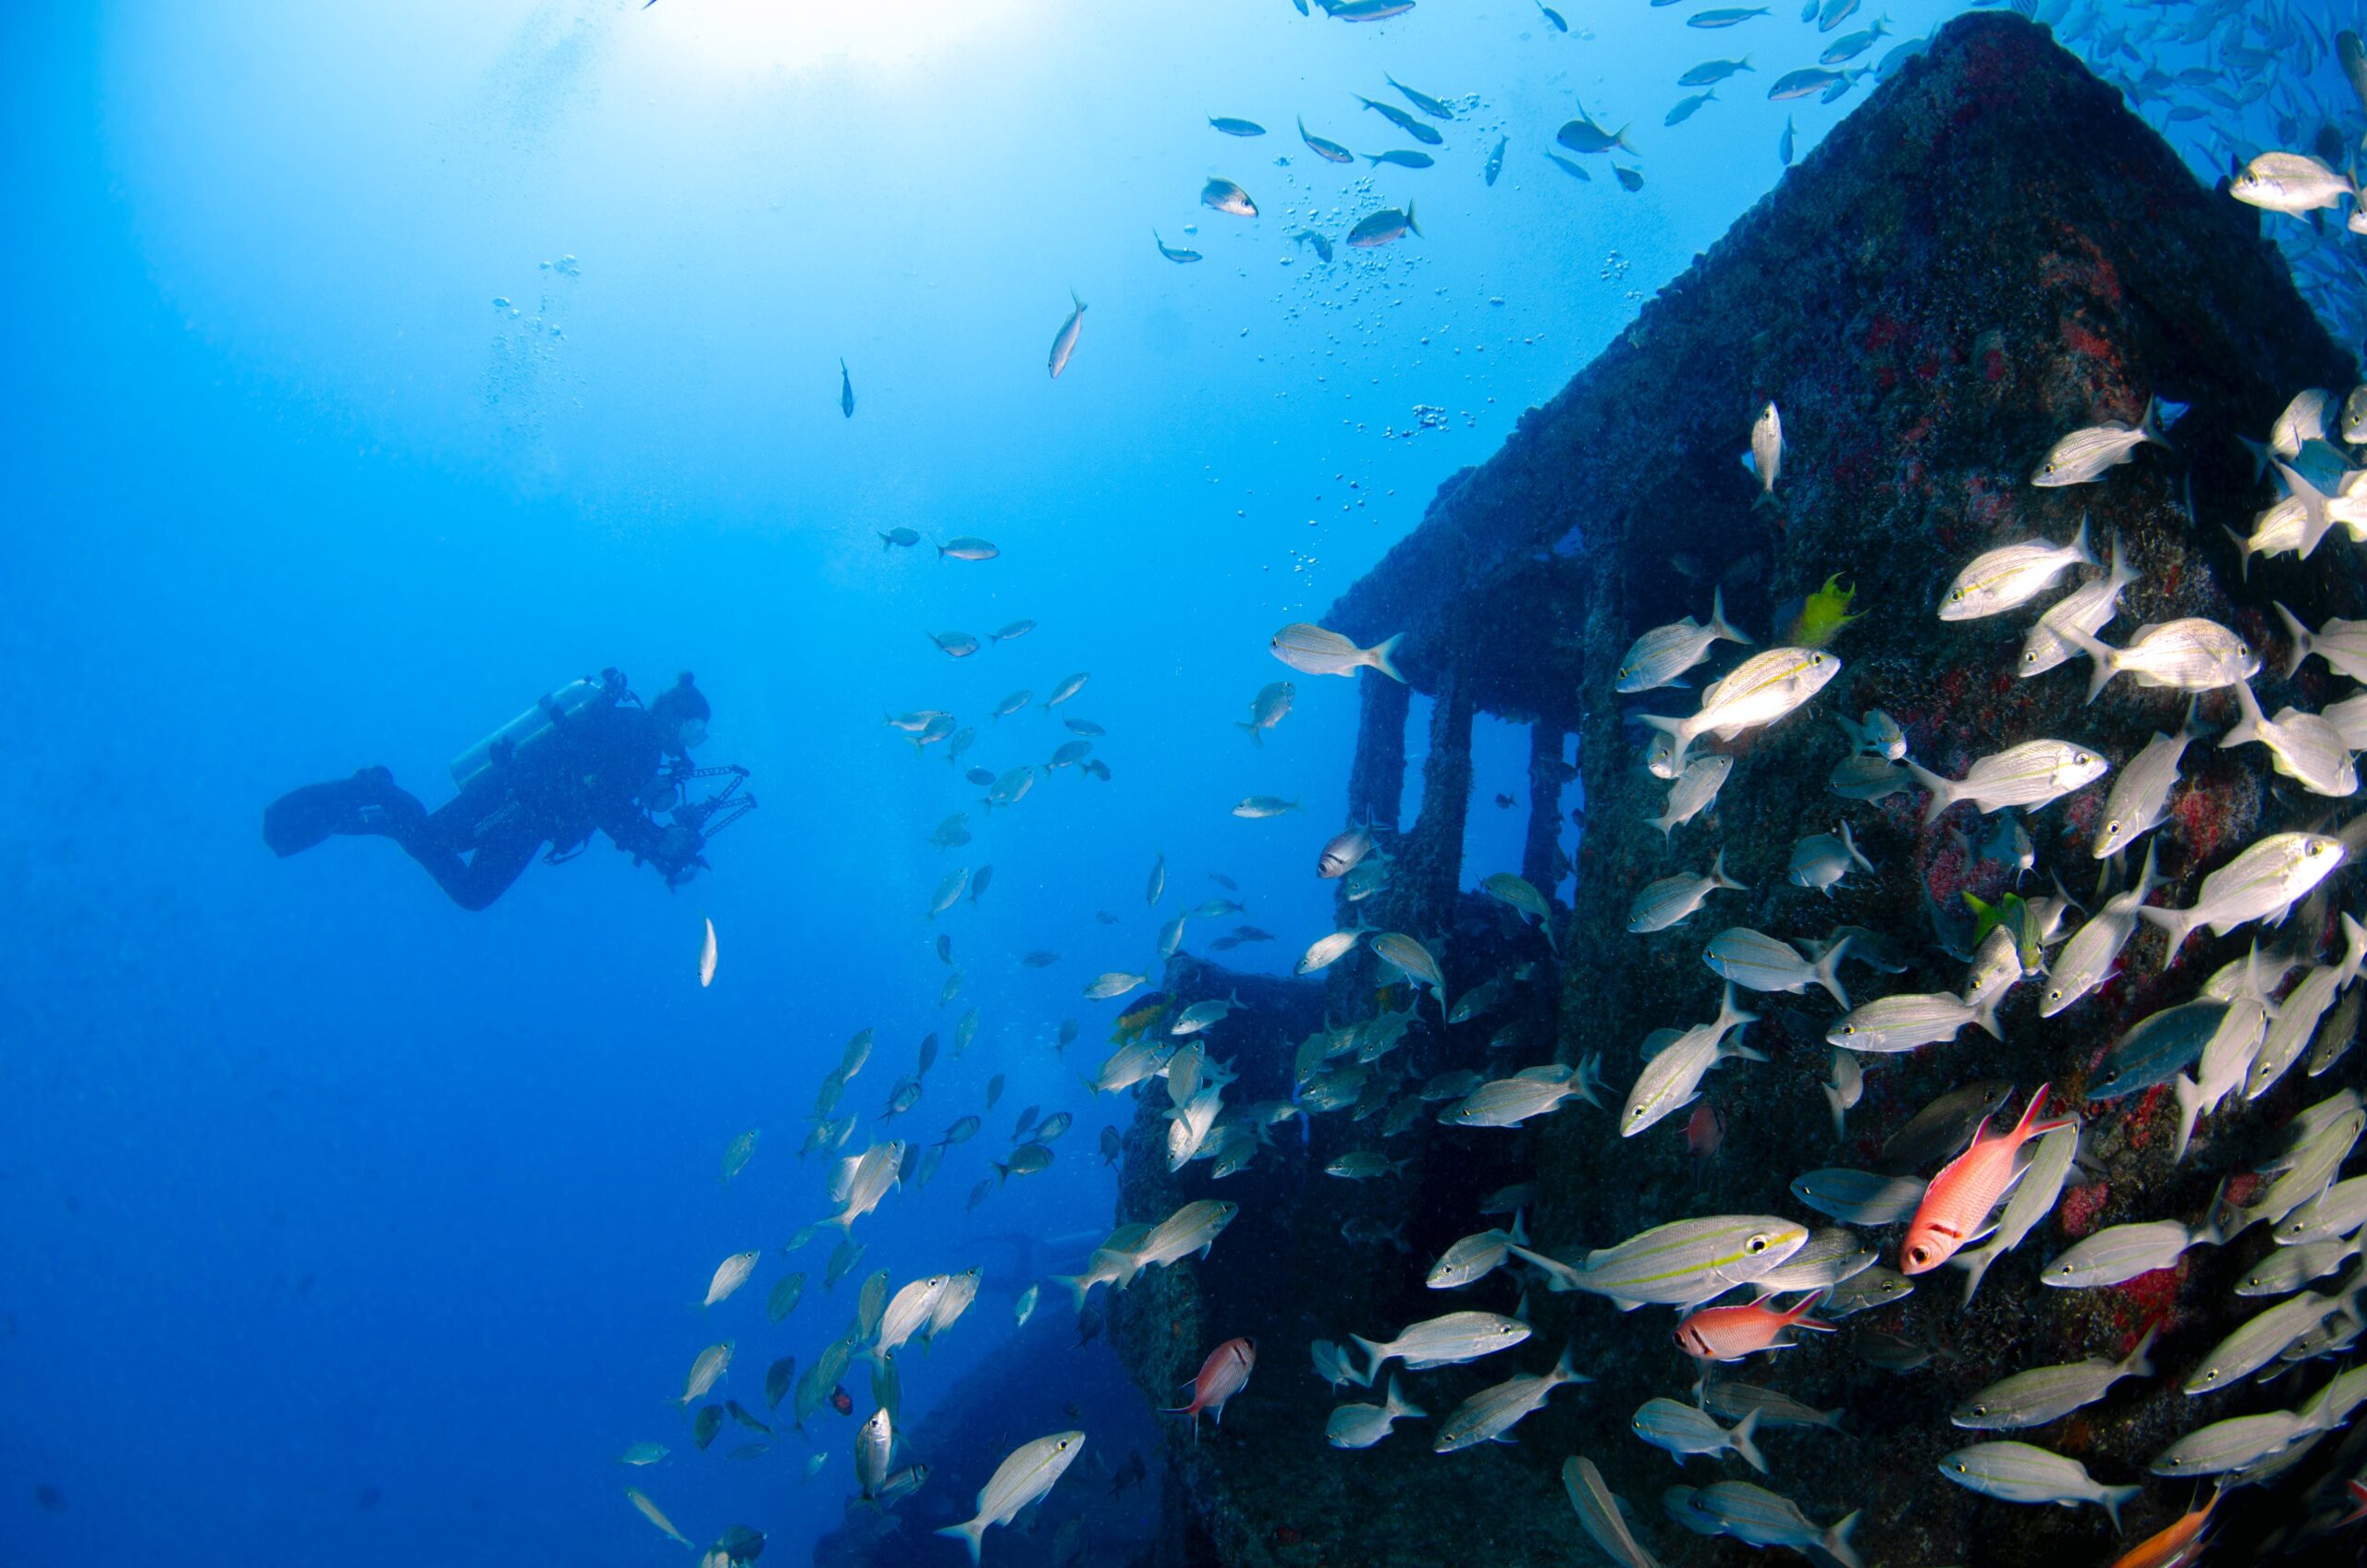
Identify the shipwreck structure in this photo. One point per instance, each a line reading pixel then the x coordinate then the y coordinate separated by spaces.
pixel 1991 252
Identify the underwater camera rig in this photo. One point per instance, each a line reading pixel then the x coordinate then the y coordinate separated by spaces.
pixel 692 824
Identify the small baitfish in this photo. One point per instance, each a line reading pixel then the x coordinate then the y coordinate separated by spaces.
pixel 2029 775
pixel 1681 1430
pixel 1672 900
pixel 1821 860
pixel 1760 963
pixel 2262 883
pixel 1761 689
pixel 1684 1263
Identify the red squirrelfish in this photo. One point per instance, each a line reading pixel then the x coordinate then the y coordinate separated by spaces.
pixel 1223 1375
pixel 1704 1130
pixel 1958 1202
pixel 1729 1333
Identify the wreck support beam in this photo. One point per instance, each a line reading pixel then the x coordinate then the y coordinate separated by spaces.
pixel 1376 778
pixel 1540 852
pixel 1433 856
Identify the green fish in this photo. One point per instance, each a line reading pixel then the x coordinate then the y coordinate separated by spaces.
pixel 1824 614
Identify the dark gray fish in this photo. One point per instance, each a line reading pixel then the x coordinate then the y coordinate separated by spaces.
pixel 1402 159
pixel 1422 133
pixel 1421 101
pixel 1322 147
pixel 1941 1130
pixel 1231 127
pixel 1382 227
pixel 846 391
pixel 1629 179
pixel 1553 17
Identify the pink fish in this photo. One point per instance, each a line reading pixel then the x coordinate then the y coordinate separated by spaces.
pixel 1729 1333
pixel 1958 1202
pixel 1223 1375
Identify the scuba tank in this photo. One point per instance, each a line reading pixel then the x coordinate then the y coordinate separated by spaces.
pixel 550 714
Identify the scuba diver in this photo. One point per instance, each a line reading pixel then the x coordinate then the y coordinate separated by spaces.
pixel 588 755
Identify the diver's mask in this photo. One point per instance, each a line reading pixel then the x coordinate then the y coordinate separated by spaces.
pixel 693 733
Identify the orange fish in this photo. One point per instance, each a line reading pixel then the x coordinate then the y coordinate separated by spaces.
pixel 1223 1375
pixel 1729 1333
pixel 1960 1198
pixel 2179 1545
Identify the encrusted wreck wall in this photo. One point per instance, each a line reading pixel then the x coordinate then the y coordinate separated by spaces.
pixel 1990 253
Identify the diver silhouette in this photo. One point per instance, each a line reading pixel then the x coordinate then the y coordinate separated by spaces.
pixel 587 757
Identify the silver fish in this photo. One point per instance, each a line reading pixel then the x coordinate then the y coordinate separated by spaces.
pixel 2337 1212
pixel 2303 746
pixel 2291 183
pixel 2262 883
pixel 1313 650
pixel 1267 709
pixel 2088 609
pixel 2089 453
pixel 1766 431
pixel 1868 1288
pixel 1672 900
pixel 1662 655
pixel 1671 1079
pixel 2003 579
pixel 2029 775
pixel 1325 951
pixel 1412 959
pixel 1508 1102
pixel 1064 340
pixel 1758 1517
pixel 1862 778
pixel 1680 1263
pixel 1486 1416
pixel 2262 1337
pixel 1601 1514
pixel 2297 1016
pixel 1760 963
pixel 2025 1473
pixel 1735 1401
pixel 1448 1341
pixel 2232 1445
pixel 1027 1475
pixel 2286 1268
pixel 1823 859
pixel 1475 1258
pixel 1224 196
pixel 1681 1430
pixel 2088 957
pixel 1829 1257
pixel 2342 643
pixel 2046 1393
pixel 2188 654
pixel 1757 692
pixel 2140 796
pixel 2120 1252
pixel 1692 793
pixel 1361 1425
pixel 1904 1022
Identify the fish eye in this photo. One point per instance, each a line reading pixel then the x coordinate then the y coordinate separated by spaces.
pixel 1756 1244
pixel 1959 1466
pixel 1919 1252
pixel 1980 1410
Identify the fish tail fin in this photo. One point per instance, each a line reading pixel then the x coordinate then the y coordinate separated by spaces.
pixel 1742 1436
pixel 1719 625
pixel 2138 1364
pixel 968 1535
pixel 2177 924
pixel 1373 1358
pixel 1943 790
pixel 2243 553
pixel 2112 1499
pixel 1399 1406
pixel 1827 972
pixel 1975 1264
pixel 2246 730
pixel 1986 1017
pixel 1619 138
pixel 1256 738
pixel 2150 426
pixel 1409 220
pixel 1719 878
pixel 2303 643
pixel 2105 661
pixel 1381 652
pixel 1667 825
pixel 1840 1113
pixel 1835 1541
pixel 2123 574
pixel 2190 1107
pixel 1851 845
pixel 2081 551
pixel 2029 1126
pixel 1074 300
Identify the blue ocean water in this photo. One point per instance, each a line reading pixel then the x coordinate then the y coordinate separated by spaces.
pixel 372 368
